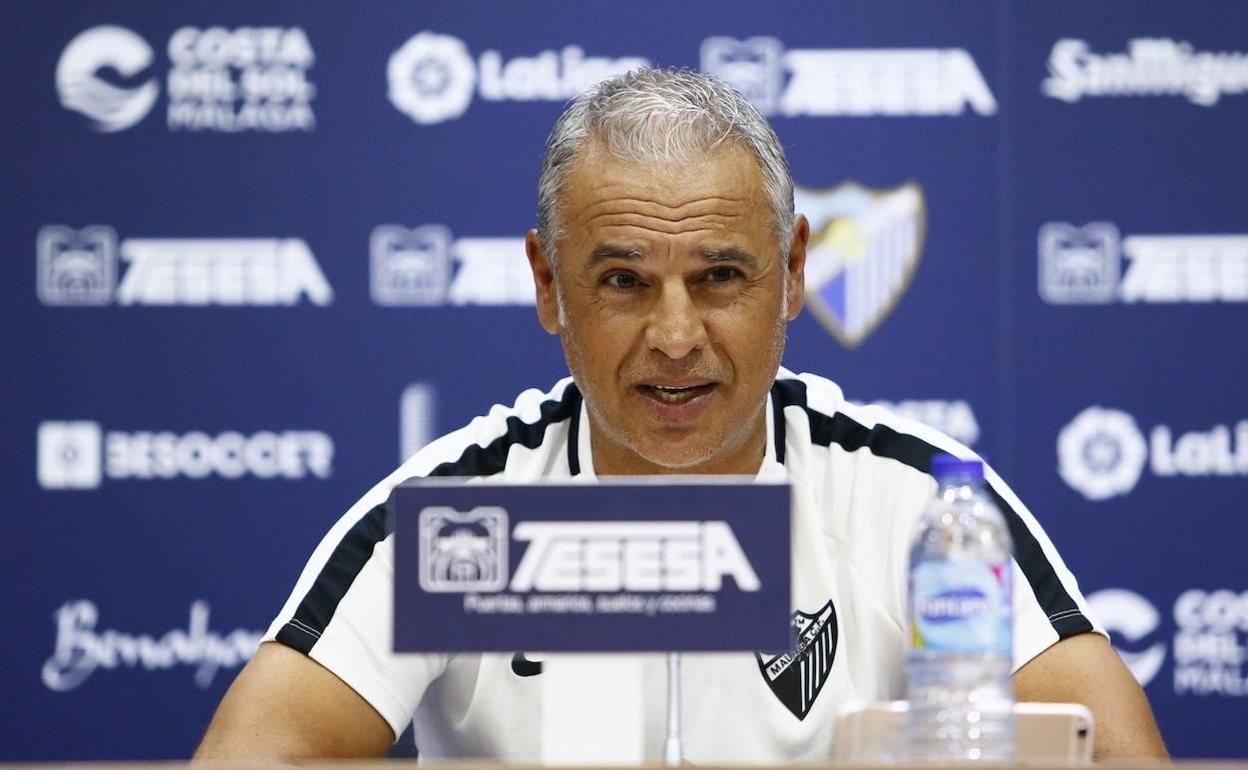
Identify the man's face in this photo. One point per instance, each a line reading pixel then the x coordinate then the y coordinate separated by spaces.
pixel 669 297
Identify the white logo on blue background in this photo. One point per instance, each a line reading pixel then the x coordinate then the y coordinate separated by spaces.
pixel 864 249
pixel 76 267
pixel 110 107
pixel 464 552
pixel 69 455
pixel 1101 453
pixel 432 78
pixel 1130 616
pixel 1079 264
pixel 417 418
pixel 755 67
pixel 410 266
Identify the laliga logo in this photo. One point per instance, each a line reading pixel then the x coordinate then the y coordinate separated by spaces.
pixel 1101 453
pixel 112 108
pixel 432 77
pixel 1129 615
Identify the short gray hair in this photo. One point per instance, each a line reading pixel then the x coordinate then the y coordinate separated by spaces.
pixel 661 115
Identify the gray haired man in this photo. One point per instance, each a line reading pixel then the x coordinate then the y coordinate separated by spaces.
pixel 668 259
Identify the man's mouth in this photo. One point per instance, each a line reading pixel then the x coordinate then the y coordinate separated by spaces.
pixel 675 394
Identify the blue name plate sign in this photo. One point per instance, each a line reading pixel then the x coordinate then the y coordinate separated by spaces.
pixel 614 566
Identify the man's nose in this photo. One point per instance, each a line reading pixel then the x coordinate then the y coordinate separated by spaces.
pixel 676 326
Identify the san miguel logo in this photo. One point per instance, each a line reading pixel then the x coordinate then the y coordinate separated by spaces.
pixel 864 248
pixel 796 677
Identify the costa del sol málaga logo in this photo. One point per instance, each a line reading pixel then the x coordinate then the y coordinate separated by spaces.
pixel 1130 618
pixel 1101 453
pixel 78 81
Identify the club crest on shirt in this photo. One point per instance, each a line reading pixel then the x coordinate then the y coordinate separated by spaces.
pixel 864 249
pixel 796 677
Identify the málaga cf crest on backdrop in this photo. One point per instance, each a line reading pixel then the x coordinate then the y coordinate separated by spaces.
pixel 864 248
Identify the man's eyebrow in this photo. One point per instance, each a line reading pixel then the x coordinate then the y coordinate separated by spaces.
pixel 730 254
pixel 604 253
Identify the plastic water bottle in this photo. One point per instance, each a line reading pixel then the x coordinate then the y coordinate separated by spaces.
pixel 958 667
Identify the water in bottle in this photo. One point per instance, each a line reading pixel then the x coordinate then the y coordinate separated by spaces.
pixel 958 666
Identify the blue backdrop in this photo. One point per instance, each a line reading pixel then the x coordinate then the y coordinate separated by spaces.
pixel 255 254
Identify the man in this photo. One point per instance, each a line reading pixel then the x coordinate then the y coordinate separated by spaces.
pixel 668 260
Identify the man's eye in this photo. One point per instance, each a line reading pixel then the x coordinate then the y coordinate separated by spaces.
pixel 723 274
pixel 622 281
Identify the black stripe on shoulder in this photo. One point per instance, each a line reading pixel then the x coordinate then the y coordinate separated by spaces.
pixel 356 547
pixel 492 458
pixel 349 557
pixel 778 403
pixel 883 441
pixel 574 433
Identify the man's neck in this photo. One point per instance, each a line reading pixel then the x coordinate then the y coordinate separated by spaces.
pixel 612 458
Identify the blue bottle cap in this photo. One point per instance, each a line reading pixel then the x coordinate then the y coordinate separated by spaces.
pixel 947 465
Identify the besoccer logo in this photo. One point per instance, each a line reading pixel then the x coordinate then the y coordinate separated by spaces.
pixel 1129 617
pixel 78 81
pixel 69 455
pixel 432 78
pixel 1101 453
pixel 463 552
pixel 864 249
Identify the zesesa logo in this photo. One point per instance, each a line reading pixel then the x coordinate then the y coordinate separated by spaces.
pixel 844 82
pixel 468 551
pixel 80 267
pixel 1082 265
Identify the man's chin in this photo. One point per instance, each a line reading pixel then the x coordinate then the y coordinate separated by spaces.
pixel 683 457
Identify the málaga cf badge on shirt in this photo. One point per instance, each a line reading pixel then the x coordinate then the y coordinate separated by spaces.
pixel 797 677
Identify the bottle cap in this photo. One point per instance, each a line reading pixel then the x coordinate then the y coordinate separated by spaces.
pixel 948 465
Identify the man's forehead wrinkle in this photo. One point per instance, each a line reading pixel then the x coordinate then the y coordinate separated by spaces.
pixel 631 204
pixel 711 224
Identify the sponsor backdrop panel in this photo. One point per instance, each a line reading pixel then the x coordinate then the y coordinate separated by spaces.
pixel 256 255
pixel 1130 245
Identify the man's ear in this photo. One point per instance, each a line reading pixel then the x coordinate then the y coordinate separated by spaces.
pixel 543 283
pixel 796 266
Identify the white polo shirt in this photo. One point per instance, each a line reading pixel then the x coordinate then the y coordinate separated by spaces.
pixel 859 479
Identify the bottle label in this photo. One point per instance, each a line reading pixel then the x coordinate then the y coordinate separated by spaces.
pixel 960 607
